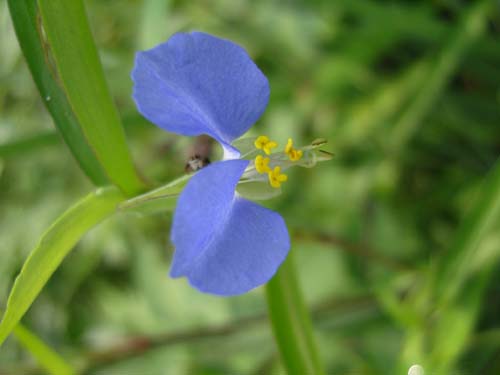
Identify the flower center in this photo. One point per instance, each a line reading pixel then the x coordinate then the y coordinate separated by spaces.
pixel 261 163
pixel 263 177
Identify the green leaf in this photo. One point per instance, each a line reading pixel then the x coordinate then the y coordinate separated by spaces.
pixel 26 23
pixel 80 72
pixel 154 23
pixel 46 357
pixel 456 265
pixel 370 115
pixel 49 138
pixel 291 322
pixel 54 245
pixel 452 332
pixel 470 29
pixel 29 144
pixel 458 262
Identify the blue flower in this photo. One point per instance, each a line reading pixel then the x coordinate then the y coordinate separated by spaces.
pixel 198 84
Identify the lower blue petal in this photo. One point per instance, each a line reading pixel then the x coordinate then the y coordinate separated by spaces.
pixel 225 245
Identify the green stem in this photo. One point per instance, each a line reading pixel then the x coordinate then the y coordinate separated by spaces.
pixel 470 29
pixel 291 322
pixel 47 357
pixel 453 269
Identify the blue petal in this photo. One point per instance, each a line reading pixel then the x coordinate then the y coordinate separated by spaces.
pixel 202 206
pixel 224 244
pixel 198 84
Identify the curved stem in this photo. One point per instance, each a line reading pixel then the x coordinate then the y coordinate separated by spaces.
pixel 291 322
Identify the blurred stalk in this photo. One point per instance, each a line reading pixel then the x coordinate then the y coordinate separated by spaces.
pixel 291 322
pixel 360 249
pixel 132 123
pixel 454 267
pixel 153 26
pixel 366 117
pixel 46 357
pixel 444 313
pixel 456 322
pixel 467 33
pixel 322 313
pixel 28 144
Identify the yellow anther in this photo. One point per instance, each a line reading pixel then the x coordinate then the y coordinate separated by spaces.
pixel 293 154
pixel 261 141
pixel 289 146
pixel 276 177
pixel 269 146
pixel 265 144
pixel 262 164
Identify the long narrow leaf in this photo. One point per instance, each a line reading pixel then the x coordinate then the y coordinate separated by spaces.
pixel 25 19
pixel 79 69
pixel 29 144
pixel 55 244
pixel 471 28
pixel 291 322
pixel 52 362
pixel 455 266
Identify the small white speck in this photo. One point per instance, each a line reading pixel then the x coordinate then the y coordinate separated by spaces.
pixel 416 370
pixel 47 98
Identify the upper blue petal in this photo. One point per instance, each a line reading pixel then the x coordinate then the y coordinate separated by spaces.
pixel 224 244
pixel 198 84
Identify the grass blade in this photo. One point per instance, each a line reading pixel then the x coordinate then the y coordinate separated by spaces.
pixel 30 144
pixel 291 322
pixel 25 19
pixel 46 357
pixel 54 245
pixel 453 267
pixel 472 27
pixel 80 72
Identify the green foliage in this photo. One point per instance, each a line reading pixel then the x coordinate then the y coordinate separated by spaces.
pixel 37 53
pixel 47 358
pixel 51 250
pixel 457 265
pixel 79 71
pixel 395 240
pixel 291 322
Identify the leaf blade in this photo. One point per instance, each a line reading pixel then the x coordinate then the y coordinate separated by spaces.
pixel 54 245
pixel 46 356
pixel 24 14
pixel 291 323
pixel 82 77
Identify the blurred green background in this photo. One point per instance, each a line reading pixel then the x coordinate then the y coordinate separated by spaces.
pixel 407 94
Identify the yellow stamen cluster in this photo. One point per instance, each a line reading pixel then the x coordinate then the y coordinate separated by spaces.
pixel 262 164
pixel 276 177
pixel 292 153
pixel 265 144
